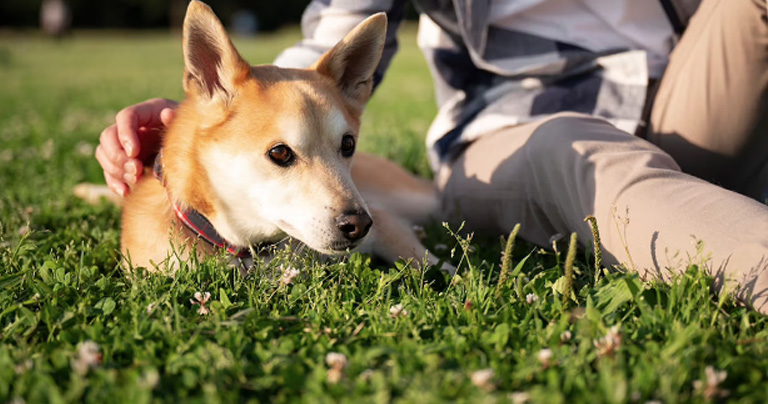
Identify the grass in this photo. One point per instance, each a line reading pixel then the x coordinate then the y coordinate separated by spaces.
pixel 63 294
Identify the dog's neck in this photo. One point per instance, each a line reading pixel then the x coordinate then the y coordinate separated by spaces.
pixel 195 221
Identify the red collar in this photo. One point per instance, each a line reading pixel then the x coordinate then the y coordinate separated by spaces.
pixel 197 223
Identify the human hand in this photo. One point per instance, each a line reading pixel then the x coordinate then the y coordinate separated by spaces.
pixel 128 144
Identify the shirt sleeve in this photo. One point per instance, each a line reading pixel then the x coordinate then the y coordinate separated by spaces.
pixel 325 22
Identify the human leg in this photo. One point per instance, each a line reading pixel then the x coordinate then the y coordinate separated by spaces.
pixel 550 175
pixel 711 110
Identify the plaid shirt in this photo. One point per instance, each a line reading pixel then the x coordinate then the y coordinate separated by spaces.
pixel 487 77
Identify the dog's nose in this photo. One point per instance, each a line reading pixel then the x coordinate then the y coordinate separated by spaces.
pixel 354 226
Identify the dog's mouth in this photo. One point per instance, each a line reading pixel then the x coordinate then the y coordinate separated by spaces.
pixel 335 247
pixel 340 247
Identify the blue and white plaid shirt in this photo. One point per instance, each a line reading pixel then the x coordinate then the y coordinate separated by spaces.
pixel 489 77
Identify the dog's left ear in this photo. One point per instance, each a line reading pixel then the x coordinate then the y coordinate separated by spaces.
pixel 352 62
pixel 212 66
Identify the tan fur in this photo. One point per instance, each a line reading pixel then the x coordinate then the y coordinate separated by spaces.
pixel 215 154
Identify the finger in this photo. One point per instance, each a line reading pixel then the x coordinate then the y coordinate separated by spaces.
pixel 166 116
pixel 129 120
pixel 109 166
pixel 116 185
pixel 111 147
pixel 133 169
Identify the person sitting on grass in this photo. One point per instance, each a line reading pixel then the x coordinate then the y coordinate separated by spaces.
pixel 554 110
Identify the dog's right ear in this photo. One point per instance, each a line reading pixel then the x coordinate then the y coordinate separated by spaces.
pixel 213 68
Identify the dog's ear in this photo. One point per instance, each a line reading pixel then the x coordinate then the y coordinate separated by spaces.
pixel 352 62
pixel 212 66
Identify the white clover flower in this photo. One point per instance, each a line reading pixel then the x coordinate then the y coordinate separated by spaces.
pixel 289 275
pixel 565 336
pixel 710 388
pixel 337 362
pixel 149 379
pixel 531 298
pixel 483 379
pixel 519 397
pixel 201 299
pixel 544 356
pixel 610 344
pixel 398 311
pixel 23 230
pixel 151 307
pixel 88 356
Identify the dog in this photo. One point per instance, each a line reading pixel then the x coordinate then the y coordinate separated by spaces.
pixel 259 154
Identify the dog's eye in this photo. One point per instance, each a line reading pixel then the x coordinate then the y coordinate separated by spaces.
pixel 347 146
pixel 281 155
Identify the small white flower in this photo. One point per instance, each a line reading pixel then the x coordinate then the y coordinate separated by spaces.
pixel 201 299
pixel 483 379
pixel 151 307
pixel 519 397
pixel 710 388
pixel 398 311
pixel 149 379
pixel 88 356
pixel 610 344
pixel 289 275
pixel 544 356
pixel 336 360
pixel 531 298
pixel 566 336
pixel 23 230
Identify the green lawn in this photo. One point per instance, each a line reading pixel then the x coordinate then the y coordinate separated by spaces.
pixel 75 328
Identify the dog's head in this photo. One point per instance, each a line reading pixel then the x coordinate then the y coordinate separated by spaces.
pixel 264 151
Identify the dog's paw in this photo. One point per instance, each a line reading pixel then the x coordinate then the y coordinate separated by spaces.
pixel 94 194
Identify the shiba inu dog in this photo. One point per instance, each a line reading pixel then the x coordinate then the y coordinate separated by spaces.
pixel 256 154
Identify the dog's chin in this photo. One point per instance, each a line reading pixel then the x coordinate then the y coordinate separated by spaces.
pixel 335 247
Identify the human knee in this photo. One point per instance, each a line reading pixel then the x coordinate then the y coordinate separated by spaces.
pixel 555 137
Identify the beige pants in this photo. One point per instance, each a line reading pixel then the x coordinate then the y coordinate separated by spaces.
pixel 656 196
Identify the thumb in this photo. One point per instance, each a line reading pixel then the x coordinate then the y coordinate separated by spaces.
pixel 166 116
